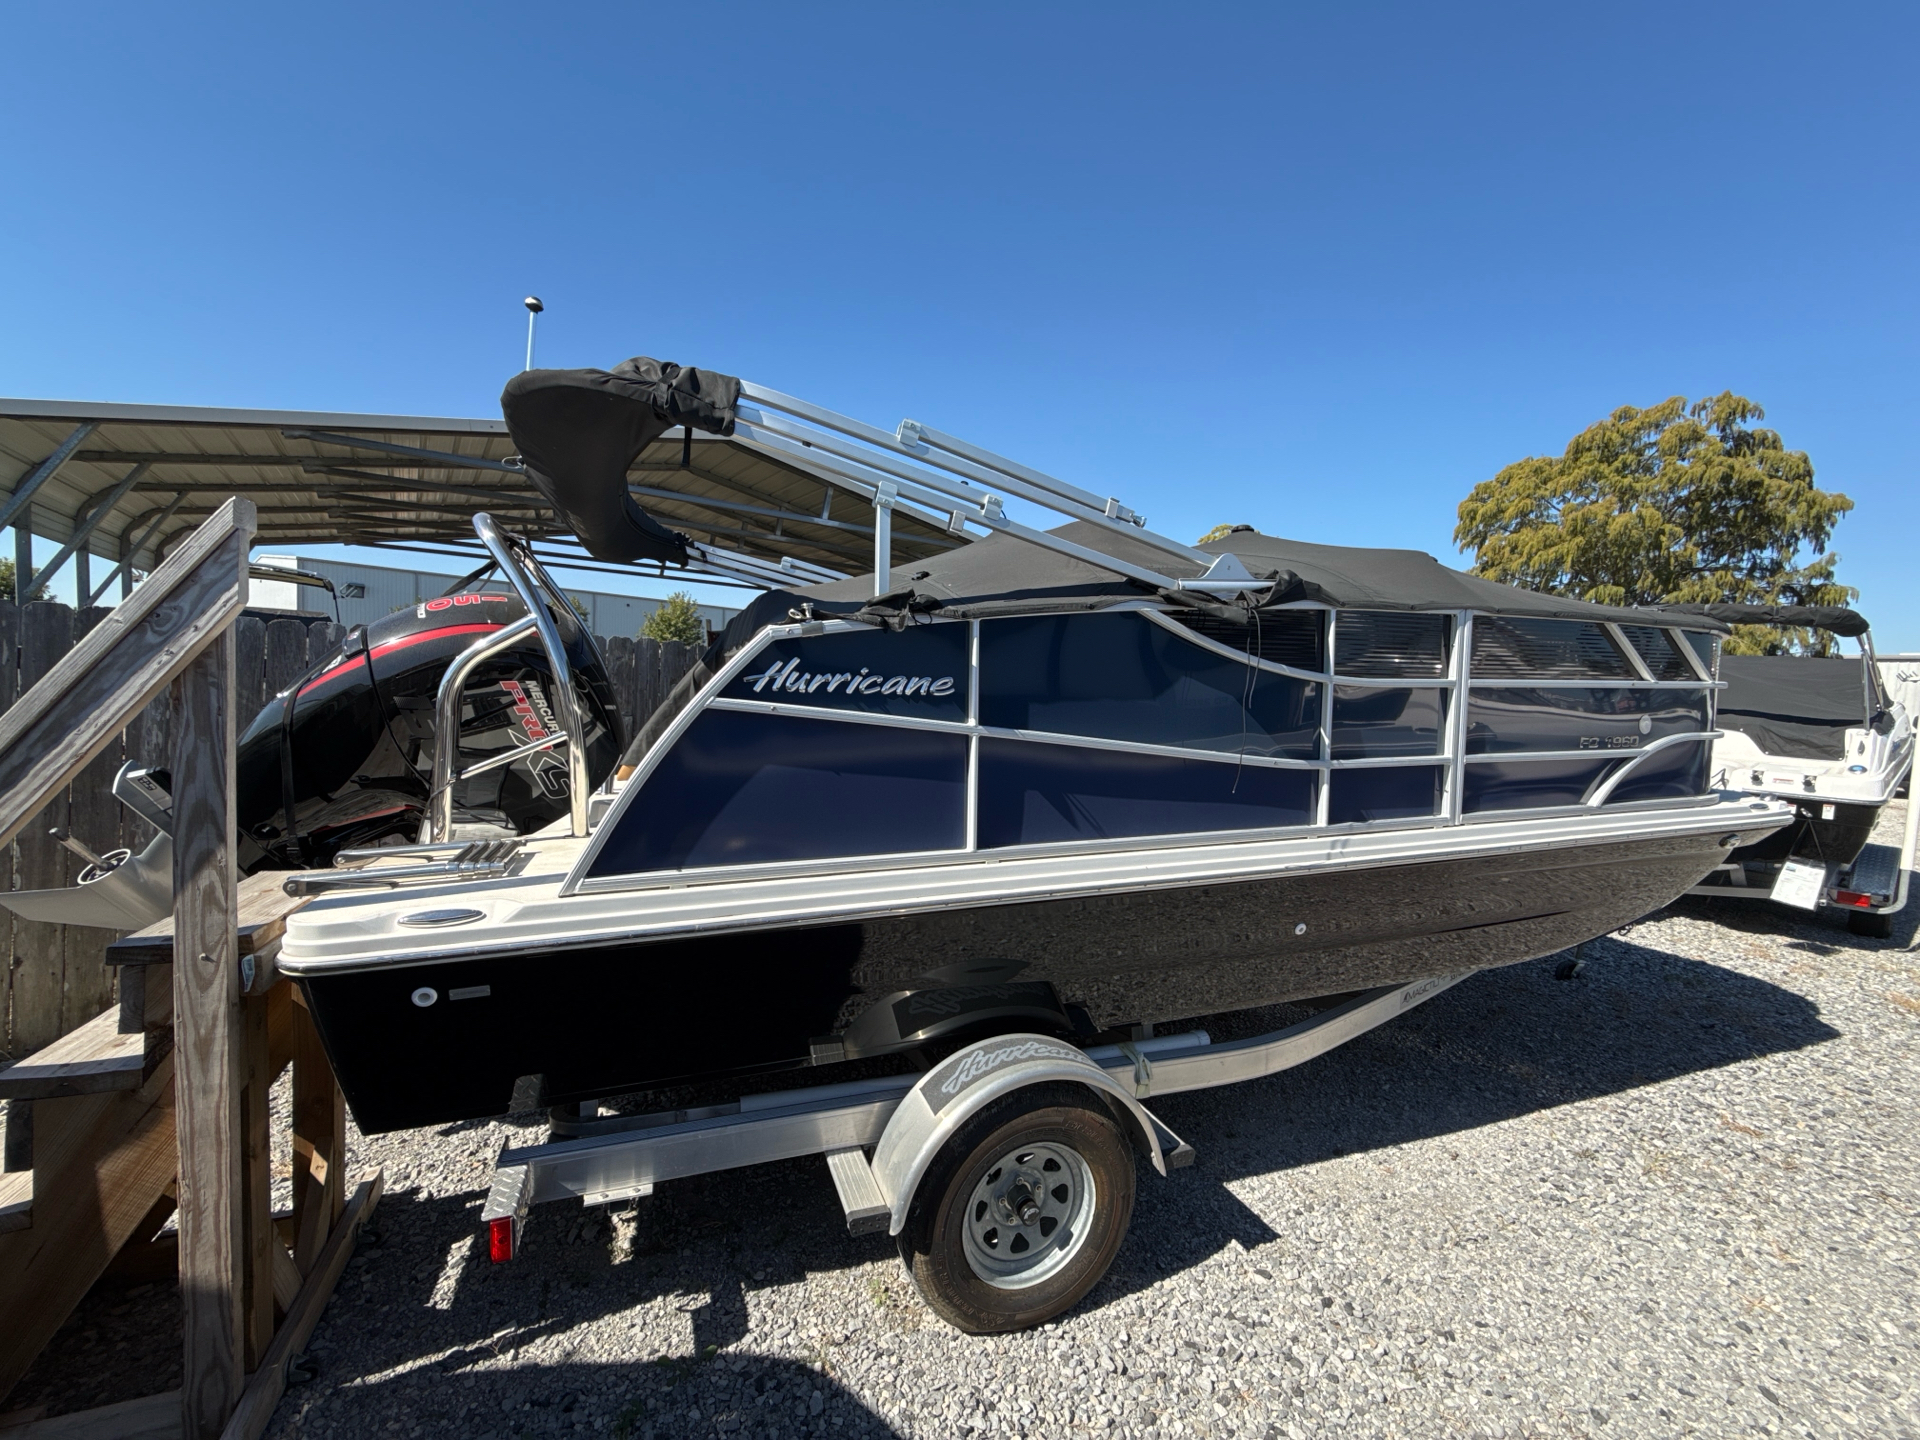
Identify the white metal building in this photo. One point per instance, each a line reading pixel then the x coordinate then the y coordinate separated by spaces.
pixel 367 592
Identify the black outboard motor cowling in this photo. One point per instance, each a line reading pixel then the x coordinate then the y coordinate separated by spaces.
pixel 344 757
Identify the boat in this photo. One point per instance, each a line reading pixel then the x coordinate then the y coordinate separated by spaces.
pixel 1069 782
pixel 341 760
pixel 1827 735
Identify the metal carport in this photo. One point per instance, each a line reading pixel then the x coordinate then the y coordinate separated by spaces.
pixel 120 483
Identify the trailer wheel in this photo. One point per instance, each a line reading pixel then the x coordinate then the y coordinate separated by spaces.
pixel 1875 927
pixel 1022 1211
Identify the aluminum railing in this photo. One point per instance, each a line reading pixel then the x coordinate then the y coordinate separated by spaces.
pixel 543 599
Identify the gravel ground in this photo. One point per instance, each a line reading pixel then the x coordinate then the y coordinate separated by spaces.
pixel 1674 1194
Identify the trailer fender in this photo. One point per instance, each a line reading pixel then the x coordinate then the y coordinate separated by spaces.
pixel 959 1087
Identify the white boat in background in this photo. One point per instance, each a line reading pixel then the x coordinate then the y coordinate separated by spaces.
pixel 1831 736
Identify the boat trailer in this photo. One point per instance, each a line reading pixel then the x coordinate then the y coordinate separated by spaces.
pixel 1875 884
pixel 904 1120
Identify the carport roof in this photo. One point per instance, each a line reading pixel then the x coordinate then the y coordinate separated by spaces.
pixel 134 478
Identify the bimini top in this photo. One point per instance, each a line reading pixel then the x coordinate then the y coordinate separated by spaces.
pixel 580 431
pixel 1835 619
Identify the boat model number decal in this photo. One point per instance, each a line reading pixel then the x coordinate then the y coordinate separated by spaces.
pixel 785 677
pixel 1618 742
pixel 971 1066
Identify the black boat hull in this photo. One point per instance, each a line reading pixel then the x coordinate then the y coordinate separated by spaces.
pixel 1838 841
pixel 608 1019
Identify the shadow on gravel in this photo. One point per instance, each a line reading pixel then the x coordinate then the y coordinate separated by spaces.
pixel 420 1297
pixel 1503 1043
pixel 751 1396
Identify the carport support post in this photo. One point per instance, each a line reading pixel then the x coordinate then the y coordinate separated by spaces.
pixel 22 553
pixel 207 1043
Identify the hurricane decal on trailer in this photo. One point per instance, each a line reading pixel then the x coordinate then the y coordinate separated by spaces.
pixel 970 1065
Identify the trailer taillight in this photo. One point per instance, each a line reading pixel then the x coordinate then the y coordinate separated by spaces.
pixel 1852 897
pixel 500 1239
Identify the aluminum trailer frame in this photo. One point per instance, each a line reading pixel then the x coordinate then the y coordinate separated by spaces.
pixel 601 1161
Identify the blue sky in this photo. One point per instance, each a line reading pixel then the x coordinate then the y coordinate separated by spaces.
pixel 1317 269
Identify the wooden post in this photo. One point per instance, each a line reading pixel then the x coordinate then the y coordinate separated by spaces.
pixel 40 960
pixel 319 1141
pixel 323 636
pixel 249 669
pixel 286 658
pixel 256 1179
pixel 93 818
pixel 9 665
pixel 207 1042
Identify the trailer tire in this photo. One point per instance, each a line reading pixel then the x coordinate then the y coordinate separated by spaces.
pixel 1874 927
pixel 1054 1152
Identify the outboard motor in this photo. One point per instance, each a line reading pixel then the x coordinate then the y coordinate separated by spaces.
pixel 344 757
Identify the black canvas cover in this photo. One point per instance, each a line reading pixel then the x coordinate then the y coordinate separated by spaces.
pixel 1793 705
pixel 1002 575
pixel 579 431
pixel 1835 619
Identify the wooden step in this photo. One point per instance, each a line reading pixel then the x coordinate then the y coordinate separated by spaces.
pixel 16 1200
pixel 99 1164
pixel 261 921
pixel 92 1060
pixel 152 1417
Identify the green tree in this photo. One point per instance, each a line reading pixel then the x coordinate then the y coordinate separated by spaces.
pixel 1220 532
pixel 677 618
pixel 1675 503
pixel 6 579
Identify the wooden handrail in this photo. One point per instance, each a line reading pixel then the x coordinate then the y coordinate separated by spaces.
pixel 213 1080
pixel 93 693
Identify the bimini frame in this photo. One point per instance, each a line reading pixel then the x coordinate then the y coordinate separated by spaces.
pixel 919 465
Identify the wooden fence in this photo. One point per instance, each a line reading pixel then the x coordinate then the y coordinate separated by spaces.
pixel 55 978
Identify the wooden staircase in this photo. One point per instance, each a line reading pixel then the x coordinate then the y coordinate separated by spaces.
pixel 163 1101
